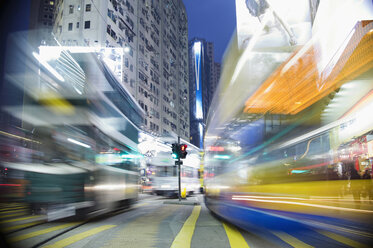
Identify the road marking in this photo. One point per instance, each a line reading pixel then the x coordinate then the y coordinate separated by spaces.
pixel 11 208
pixel 291 240
pixel 3 216
pixel 13 211
pixel 142 231
pixel 235 237
pixel 77 237
pixel 343 239
pixel 19 219
pixel 142 204
pixel 17 227
pixel 40 232
pixel 184 238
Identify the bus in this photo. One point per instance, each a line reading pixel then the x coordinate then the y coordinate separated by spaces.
pixel 82 130
pixel 288 145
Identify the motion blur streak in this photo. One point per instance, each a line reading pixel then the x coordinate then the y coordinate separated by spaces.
pixel 305 204
pixel 68 142
pixel 295 95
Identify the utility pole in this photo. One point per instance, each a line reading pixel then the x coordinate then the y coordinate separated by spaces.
pixel 179 168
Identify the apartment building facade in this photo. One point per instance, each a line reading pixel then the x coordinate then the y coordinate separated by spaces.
pixel 154 38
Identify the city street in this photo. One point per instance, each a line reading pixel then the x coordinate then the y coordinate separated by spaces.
pixel 186 123
pixel 149 223
pixel 153 222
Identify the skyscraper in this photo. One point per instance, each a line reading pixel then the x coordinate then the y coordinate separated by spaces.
pixel 154 38
pixel 199 85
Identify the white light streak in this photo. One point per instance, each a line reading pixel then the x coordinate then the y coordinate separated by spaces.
pixel 303 204
pixel 78 143
pixel 48 67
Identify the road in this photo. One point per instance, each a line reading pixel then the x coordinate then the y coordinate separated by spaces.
pixel 153 221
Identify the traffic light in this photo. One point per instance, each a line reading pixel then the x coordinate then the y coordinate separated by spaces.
pixel 183 151
pixel 175 151
pixel 179 151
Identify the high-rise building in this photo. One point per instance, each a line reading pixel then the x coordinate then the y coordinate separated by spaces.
pixel 215 78
pixel 204 74
pixel 199 88
pixel 154 38
pixel 41 21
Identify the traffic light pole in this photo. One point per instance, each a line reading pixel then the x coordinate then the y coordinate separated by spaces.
pixel 179 168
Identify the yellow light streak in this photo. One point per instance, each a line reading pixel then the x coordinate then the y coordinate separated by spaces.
pixel 18 137
pixel 305 204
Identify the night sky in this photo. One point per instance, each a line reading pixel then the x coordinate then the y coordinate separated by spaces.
pixel 213 20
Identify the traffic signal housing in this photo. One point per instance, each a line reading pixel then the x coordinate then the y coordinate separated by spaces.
pixel 179 151
pixel 183 151
pixel 175 151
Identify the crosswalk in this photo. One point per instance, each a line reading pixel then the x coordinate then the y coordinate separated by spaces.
pixel 25 230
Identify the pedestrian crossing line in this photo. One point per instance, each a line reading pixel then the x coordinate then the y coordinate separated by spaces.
pixel 40 232
pixel 13 211
pixel 17 227
pixel 19 219
pixel 12 205
pixel 235 237
pixel 184 238
pixel 291 240
pixel 77 237
pixel 11 208
pixel 3 216
pixel 343 239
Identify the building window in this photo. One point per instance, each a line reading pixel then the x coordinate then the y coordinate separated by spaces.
pixel 71 9
pixel 77 25
pixel 87 24
pixel 70 27
pixel 87 7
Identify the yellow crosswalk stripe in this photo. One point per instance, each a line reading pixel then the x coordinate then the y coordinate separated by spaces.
pixel 19 219
pixel 13 211
pixel 40 232
pixel 343 239
pixel 3 216
pixel 291 240
pixel 77 237
pixel 11 208
pixel 184 238
pixel 235 237
pixel 17 227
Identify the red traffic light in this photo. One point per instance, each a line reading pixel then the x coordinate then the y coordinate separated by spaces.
pixel 183 147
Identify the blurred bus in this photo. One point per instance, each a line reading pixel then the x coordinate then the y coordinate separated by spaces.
pixel 289 137
pixel 82 126
pixel 164 174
